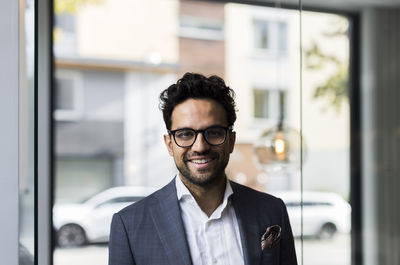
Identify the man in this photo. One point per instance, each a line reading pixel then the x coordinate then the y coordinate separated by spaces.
pixel 201 217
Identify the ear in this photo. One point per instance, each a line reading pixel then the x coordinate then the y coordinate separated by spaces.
pixel 232 140
pixel 168 143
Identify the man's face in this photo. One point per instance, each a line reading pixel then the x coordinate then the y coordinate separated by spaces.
pixel 200 164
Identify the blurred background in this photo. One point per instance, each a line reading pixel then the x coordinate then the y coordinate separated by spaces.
pixel 317 94
pixel 114 57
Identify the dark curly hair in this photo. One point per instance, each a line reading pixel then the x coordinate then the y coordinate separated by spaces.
pixel 198 86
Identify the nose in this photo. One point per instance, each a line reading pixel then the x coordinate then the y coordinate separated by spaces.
pixel 200 145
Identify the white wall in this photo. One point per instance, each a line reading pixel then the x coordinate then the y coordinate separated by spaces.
pixel 129 30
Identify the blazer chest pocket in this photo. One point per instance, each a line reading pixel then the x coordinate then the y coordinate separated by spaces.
pixel 270 256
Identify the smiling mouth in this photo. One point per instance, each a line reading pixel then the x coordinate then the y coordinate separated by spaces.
pixel 200 161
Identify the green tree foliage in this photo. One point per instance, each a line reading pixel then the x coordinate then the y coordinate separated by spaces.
pixel 335 89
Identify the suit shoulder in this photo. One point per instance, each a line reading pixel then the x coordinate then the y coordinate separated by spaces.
pixel 142 206
pixel 256 195
pixel 138 206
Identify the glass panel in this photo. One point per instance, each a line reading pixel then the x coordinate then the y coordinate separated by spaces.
pixel 27 134
pixel 109 130
pixel 326 220
pixel 261 104
pixel 261 36
pixel 118 59
pixel 65 94
pixel 108 126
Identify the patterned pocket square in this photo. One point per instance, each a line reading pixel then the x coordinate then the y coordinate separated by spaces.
pixel 271 236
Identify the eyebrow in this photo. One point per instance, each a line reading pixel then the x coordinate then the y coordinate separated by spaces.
pixel 214 125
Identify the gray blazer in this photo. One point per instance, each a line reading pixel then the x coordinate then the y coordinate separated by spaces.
pixel 151 230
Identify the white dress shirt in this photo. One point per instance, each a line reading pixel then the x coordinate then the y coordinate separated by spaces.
pixel 214 239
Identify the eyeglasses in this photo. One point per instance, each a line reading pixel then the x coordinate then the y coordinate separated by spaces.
pixel 214 135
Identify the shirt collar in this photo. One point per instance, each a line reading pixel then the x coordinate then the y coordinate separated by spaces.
pixel 183 193
pixel 181 190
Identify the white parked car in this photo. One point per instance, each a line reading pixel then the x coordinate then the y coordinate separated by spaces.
pixel 324 213
pixel 89 221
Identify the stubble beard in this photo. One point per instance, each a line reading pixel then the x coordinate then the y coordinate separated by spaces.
pixel 197 179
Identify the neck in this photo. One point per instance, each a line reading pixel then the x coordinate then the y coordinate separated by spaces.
pixel 208 198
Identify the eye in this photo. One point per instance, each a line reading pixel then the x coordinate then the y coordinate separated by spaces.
pixel 184 134
pixel 215 132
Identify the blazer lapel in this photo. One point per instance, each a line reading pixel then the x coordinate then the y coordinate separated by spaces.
pixel 248 226
pixel 168 222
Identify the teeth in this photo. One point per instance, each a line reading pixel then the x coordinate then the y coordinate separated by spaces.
pixel 200 161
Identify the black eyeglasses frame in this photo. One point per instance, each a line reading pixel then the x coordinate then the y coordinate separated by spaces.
pixel 227 129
